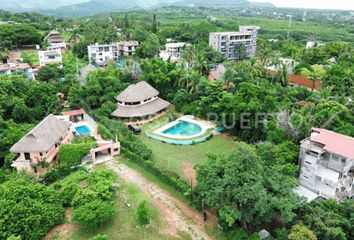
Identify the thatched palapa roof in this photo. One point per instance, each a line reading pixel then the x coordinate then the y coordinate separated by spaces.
pixel 43 136
pixel 142 110
pixel 137 92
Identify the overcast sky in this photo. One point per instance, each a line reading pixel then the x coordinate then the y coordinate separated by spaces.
pixel 324 4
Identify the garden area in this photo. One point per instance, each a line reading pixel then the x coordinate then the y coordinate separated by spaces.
pixel 180 159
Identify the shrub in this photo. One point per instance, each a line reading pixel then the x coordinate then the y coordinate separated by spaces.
pixel 142 214
pixel 72 154
pixel 100 237
pixel 28 209
pixel 93 214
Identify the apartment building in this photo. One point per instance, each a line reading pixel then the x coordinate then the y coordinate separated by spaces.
pixel 99 54
pixel 51 56
pixel 327 166
pixel 225 42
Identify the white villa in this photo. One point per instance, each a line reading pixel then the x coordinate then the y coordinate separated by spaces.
pixel 327 166
pixel 173 51
pixel 53 56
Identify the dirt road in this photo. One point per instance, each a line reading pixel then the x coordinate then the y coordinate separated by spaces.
pixel 177 215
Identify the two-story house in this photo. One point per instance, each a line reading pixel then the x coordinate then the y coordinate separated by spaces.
pixel 41 143
pixel 327 165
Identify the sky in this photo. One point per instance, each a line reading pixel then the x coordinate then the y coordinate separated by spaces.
pixel 322 4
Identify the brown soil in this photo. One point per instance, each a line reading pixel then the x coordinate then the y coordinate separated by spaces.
pixel 189 174
pixel 64 229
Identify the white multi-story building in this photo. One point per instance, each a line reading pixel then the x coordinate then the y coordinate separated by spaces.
pixel 98 54
pixel 52 56
pixel 225 42
pixel 327 165
pixel 173 51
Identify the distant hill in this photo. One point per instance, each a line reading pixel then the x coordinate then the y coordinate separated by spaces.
pixel 79 8
pixel 26 5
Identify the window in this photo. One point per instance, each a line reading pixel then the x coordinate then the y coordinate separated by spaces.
pixel 41 154
pixel 308 162
pixel 305 176
pixel 27 156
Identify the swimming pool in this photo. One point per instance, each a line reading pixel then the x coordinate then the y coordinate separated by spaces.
pixel 83 130
pixel 183 129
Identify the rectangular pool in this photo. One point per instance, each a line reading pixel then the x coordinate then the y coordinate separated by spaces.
pixel 83 130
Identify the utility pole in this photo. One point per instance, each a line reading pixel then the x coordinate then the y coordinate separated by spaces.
pixel 290 18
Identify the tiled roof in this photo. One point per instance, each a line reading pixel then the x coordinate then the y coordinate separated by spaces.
pixel 334 142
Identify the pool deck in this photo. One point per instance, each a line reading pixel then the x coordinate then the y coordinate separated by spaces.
pixel 205 126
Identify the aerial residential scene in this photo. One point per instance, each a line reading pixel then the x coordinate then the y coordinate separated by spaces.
pixel 176 120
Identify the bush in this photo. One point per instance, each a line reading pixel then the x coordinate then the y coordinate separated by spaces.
pixel 72 154
pixel 28 209
pixel 100 237
pixel 142 214
pixel 93 214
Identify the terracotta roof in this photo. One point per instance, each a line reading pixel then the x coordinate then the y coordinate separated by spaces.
pixel 304 81
pixel 334 142
pixel 74 112
pixel 137 92
pixel 43 136
pixel 142 110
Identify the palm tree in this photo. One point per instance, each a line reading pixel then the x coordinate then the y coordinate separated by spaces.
pixel 188 54
pixel 282 74
pixel 201 64
pixel 314 77
pixel 190 81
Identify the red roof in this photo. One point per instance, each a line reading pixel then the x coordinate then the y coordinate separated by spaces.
pixel 74 112
pixel 334 142
pixel 304 81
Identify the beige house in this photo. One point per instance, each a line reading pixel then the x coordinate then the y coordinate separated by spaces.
pixel 42 143
pixel 140 103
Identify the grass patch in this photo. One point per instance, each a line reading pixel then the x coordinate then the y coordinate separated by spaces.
pixel 124 225
pixel 170 157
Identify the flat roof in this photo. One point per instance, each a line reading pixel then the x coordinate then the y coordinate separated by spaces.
pixel 306 193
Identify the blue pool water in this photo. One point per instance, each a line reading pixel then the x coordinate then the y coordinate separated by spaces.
pixel 183 129
pixel 83 130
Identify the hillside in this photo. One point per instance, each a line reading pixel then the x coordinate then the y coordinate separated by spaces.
pixel 78 8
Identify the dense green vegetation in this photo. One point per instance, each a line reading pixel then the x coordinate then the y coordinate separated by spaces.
pixel 264 116
pixel 28 209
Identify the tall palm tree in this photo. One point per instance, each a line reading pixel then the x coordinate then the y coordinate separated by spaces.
pixel 282 74
pixel 201 65
pixel 188 54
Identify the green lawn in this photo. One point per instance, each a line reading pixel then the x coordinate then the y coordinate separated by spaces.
pixel 171 157
pixel 124 226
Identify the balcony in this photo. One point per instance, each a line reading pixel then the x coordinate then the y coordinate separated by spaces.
pixel 334 165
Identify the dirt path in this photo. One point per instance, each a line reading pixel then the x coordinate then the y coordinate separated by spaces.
pixel 177 215
pixel 64 229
